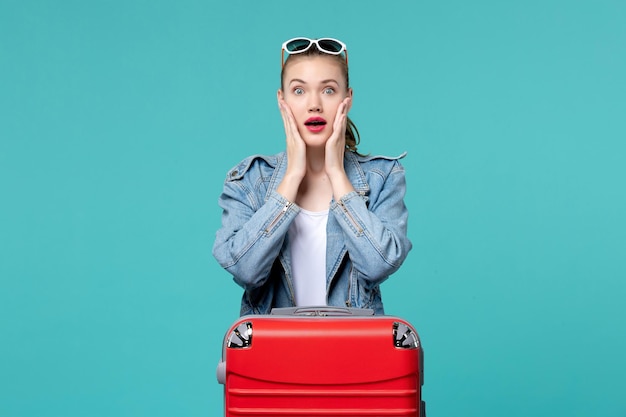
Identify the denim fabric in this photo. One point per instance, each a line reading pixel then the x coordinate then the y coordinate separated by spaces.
pixel 366 233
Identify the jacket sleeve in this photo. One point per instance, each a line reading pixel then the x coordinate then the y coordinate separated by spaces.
pixel 252 232
pixel 375 227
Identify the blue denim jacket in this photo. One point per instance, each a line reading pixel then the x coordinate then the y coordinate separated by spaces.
pixel 366 233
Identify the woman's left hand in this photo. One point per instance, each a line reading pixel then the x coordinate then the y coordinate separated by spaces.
pixel 335 149
pixel 336 144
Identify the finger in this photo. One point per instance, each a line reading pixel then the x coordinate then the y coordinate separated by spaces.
pixel 287 116
pixel 291 121
pixel 341 117
pixel 348 102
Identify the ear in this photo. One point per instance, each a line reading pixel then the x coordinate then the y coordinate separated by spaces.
pixel 280 95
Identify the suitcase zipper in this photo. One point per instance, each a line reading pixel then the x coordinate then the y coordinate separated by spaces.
pixel 278 217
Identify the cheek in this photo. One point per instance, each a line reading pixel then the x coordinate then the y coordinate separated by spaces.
pixel 334 104
pixel 298 110
pixel 295 104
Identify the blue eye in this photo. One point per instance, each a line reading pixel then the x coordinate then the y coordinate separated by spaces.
pixel 298 91
pixel 329 90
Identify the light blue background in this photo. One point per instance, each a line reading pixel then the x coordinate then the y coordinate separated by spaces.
pixel 119 120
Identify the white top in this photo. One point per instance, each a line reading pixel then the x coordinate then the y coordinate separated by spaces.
pixel 307 238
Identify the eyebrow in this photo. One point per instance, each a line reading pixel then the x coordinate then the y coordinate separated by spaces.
pixel 298 80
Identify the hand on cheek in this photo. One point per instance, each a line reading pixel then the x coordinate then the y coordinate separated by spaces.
pixel 296 148
pixel 335 150
pixel 335 147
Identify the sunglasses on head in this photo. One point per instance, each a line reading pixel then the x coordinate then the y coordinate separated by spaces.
pixel 299 45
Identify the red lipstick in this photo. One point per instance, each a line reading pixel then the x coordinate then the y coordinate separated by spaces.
pixel 315 124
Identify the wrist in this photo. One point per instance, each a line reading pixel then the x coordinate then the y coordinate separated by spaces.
pixel 336 175
pixel 289 186
pixel 341 184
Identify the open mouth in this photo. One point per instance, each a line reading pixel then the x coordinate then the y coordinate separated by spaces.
pixel 315 124
pixel 315 121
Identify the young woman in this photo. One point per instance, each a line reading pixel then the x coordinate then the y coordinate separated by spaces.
pixel 317 224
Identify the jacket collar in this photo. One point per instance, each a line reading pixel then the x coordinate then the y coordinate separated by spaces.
pixel 355 173
pixel 351 165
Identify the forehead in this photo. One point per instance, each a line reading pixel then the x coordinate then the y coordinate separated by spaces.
pixel 314 68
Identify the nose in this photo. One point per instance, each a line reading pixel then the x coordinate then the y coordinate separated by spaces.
pixel 315 106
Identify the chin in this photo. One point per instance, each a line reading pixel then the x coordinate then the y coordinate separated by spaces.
pixel 315 141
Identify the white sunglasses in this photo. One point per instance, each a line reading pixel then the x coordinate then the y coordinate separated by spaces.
pixel 299 45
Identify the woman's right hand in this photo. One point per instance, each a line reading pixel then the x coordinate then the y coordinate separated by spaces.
pixel 296 154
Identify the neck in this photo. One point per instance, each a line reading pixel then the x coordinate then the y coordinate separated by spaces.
pixel 315 160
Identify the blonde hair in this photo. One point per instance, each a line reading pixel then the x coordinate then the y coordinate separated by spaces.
pixel 352 133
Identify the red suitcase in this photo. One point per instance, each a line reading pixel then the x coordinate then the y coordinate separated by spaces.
pixel 322 361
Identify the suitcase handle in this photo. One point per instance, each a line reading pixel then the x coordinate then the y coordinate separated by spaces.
pixel 322 311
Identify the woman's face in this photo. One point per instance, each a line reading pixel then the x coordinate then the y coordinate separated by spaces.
pixel 313 88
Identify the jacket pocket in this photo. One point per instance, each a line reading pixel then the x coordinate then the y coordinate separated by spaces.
pixel 363 295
